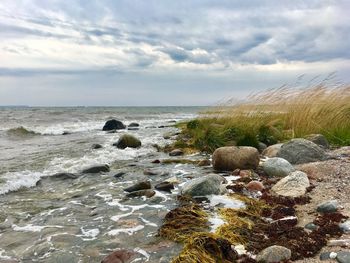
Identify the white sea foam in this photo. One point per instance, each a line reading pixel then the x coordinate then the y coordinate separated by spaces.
pixel 31 228
pixel 215 223
pixel 17 180
pixel 226 201
pixel 89 234
pixel 128 231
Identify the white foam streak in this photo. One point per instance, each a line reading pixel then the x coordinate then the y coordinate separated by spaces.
pixel 128 231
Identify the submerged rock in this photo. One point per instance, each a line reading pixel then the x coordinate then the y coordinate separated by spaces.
pixel 96 146
pixel 277 167
pixel 231 158
pixel 293 185
pixel 207 185
pixel 176 152
pixel 133 124
pixel 328 207
pixel 164 186
pixel 139 186
pixel 274 254
pixel 120 256
pixel 147 192
pixel 113 125
pixel 318 139
pixel 127 140
pixel 64 176
pixel 298 151
pixel 272 150
pixel 96 169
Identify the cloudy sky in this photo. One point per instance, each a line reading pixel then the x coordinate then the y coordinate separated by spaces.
pixel 165 52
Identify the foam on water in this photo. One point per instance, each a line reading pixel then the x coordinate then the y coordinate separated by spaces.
pixel 225 201
pixel 31 228
pixel 128 231
pixel 89 234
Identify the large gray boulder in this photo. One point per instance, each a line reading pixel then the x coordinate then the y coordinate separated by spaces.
pixel 277 167
pixel 319 139
pixel 298 151
pixel 232 157
pixel 293 185
pixel 207 185
pixel 274 254
pixel 127 140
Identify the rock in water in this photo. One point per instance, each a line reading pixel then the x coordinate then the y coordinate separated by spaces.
pixel 113 125
pixel 176 152
pixel 293 185
pixel 96 169
pixel 232 157
pixel 120 256
pixel 298 151
pixel 96 146
pixel 277 167
pixel 147 192
pixel 139 186
pixel 164 186
pixel 272 150
pixel 64 176
pixel 274 254
pixel 328 207
pixel 318 139
pixel 127 140
pixel 207 185
pixel 134 124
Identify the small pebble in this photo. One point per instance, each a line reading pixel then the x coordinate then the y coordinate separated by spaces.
pixel 311 226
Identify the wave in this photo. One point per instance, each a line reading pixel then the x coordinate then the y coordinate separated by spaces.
pixel 21 132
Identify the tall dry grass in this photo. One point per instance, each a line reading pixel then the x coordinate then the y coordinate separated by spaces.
pixel 276 115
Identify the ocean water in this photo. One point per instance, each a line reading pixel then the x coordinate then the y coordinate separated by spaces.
pixel 45 219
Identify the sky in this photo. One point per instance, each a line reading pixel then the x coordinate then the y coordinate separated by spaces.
pixel 165 52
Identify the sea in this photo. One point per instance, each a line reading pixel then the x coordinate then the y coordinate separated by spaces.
pixel 44 218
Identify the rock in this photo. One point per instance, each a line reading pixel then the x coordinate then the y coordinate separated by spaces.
pixel 277 167
pixel 172 180
pixel 298 151
pixel 318 139
pixel 311 226
pixel 120 256
pixel 64 176
pixel 113 125
pixel 204 162
pixel 328 207
pixel 133 124
pixel 96 146
pixel 261 147
pixel 255 186
pixel 139 186
pixel 343 257
pixel 164 186
pixel 232 157
pixel 207 185
pixel 151 172
pixel 176 152
pixel 156 161
pixel 66 133
pixel 119 175
pixel 148 193
pixel 272 150
pixel 133 129
pixel 96 169
pixel 293 185
pixel 328 255
pixel 127 140
pixel 345 227
pixel 274 254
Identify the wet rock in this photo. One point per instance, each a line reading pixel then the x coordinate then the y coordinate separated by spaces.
pixel 113 125
pixel 231 158
pixel 139 186
pixel 328 207
pixel 96 169
pixel 119 175
pixel 343 257
pixel 204 162
pixel 176 152
pixel 127 140
pixel 96 146
pixel 328 255
pixel 298 151
pixel 66 133
pixel 255 186
pixel 148 193
pixel 133 124
pixel 274 254
pixel 156 161
pixel 277 167
pixel 64 176
pixel 345 227
pixel 120 256
pixel 151 172
pixel 293 185
pixel 310 226
pixel 272 150
pixel 318 139
pixel 207 185
pixel 164 186
pixel 172 180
